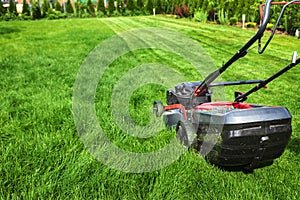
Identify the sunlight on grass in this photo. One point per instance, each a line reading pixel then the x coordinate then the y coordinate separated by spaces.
pixel 41 154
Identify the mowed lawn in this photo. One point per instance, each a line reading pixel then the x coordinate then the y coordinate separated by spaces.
pixel 42 156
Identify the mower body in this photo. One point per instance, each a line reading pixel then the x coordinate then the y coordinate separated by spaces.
pixel 248 136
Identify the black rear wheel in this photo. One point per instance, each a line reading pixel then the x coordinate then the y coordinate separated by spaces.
pixel 185 133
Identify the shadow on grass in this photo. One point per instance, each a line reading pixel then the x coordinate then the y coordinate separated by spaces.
pixel 294 146
pixel 7 30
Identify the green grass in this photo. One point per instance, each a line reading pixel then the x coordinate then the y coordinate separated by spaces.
pixel 42 156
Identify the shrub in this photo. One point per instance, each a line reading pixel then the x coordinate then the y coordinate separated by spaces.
pixel 177 10
pixel 281 28
pixel 182 11
pixel 128 13
pixel 52 16
pixel 270 26
pixel 222 17
pixel 139 13
pixel 9 16
pixel 85 14
pixel 252 18
pixel 250 24
pixel 100 14
pixel 56 15
pixel 233 21
pixel 211 15
pixel 50 11
pixel 116 13
pixel 200 16
pixel 62 15
pixel 25 17
pixel 185 11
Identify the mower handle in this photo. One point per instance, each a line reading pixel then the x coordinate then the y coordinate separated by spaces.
pixel 294 62
pixel 231 83
pixel 200 90
pixel 260 51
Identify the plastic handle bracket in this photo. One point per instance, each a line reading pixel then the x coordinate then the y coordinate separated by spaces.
pixel 294 58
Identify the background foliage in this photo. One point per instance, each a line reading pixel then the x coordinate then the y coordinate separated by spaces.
pixel 219 11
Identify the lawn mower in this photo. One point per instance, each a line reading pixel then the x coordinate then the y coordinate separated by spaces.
pixel 249 136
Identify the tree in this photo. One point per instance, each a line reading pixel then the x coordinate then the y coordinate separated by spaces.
pixel 120 6
pixel 100 7
pixel 45 8
pixel 2 9
pixel 140 4
pixel 254 11
pixel 149 6
pixel 198 4
pixel 130 5
pixel 111 6
pixel 246 9
pixel 36 10
pixel 291 19
pixel 58 7
pixel 169 6
pixel 192 6
pixel 78 8
pixel 230 8
pixel 90 8
pixel 159 9
pixel 69 7
pixel 204 5
pixel 164 6
pixel 239 9
pixel 211 4
pixel 25 10
pixel 12 7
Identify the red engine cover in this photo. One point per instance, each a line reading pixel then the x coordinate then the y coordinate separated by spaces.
pixel 228 105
